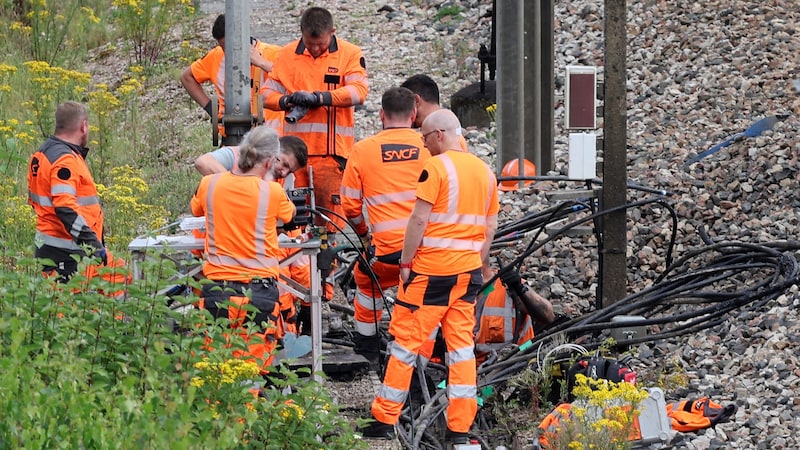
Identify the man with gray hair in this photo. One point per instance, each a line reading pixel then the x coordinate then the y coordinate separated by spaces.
pixel 242 211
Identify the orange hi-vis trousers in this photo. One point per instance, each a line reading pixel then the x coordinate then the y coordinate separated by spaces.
pixel 264 297
pixel 423 303
pixel 368 302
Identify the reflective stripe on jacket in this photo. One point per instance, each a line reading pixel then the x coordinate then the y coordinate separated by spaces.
pixel 340 74
pixel 63 194
pixel 241 218
pixel 498 321
pixel 463 192
pixel 382 173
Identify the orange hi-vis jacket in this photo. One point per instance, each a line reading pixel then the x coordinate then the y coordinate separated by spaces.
pixel 63 195
pixel 211 67
pixel 340 74
pixel 241 219
pixel 382 172
pixel 463 192
pixel 498 321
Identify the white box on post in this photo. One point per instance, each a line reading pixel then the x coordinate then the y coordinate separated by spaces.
pixel 582 156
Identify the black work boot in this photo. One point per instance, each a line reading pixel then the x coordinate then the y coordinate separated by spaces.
pixel 377 429
pixel 368 347
pixel 456 438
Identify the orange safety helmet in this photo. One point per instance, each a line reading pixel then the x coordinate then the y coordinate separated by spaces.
pixel 511 169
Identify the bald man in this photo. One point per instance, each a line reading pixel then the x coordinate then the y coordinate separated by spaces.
pixel 446 240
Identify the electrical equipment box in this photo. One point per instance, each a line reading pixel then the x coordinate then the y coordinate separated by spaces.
pixel 580 92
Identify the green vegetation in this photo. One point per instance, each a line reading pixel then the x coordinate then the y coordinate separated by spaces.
pixel 448 11
pixel 81 368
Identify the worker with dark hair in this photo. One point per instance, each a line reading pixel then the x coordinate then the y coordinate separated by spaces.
pixel 292 157
pixel 241 212
pixel 505 310
pixel 211 68
pixel 426 95
pixel 325 76
pixel 389 200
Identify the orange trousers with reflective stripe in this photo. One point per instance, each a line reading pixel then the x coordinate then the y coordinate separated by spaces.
pixel 388 276
pixel 413 321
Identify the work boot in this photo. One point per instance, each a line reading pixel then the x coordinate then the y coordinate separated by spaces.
pixel 368 347
pixel 377 429
pixel 455 438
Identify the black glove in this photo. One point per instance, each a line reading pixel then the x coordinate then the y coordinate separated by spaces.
pixel 101 254
pixel 512 281
pixel 283 103
pixel 305 98
pixel 208 107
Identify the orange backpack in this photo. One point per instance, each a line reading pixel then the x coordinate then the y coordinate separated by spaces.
pixel 693 415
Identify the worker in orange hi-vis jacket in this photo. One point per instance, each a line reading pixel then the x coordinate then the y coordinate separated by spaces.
pixel 62 192
pixel 318 80
pixel 242 211
pixel 211 68
pixel 426 96
pixel 382 175
pixel 292 157
pixel 504 312
pixel 447 238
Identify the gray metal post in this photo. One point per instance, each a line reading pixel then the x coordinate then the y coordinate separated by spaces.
pixel 238 118
pixel 532 72
pixel 547 84
pixel 612 256
pixel 510 81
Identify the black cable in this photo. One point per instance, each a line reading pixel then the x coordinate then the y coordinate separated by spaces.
pixel 372 275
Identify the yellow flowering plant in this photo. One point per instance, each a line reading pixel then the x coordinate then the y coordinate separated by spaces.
pixel 48 86
pixel 604 416
pixel 146 24
pixel 56 32
pixel 127 214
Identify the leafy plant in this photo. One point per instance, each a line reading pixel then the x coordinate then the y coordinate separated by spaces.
pixel 602 417
pixel 146 24
pixel 448 11
pixel 57 31
pixel 83 370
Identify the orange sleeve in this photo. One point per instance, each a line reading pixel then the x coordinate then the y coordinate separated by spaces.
pixel 204 68
pixel 198 203
pixel 430 181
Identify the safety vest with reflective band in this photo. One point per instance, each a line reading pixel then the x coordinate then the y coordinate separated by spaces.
pixel 697 414
pixel 211 67
pixel 241 218
pixel 63 195
pixel 340 74
pixel 463 192
pixel 382 172
pixel 498 321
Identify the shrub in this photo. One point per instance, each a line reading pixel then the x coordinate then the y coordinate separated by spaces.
pixel 82 370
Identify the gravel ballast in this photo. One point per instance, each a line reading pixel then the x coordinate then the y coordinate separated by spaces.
pixel 697 73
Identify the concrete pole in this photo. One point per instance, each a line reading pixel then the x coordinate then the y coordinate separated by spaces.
pixel 532 70
pixel 547 85
pixel 510 82
pixel 238 118
pixel 613 285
